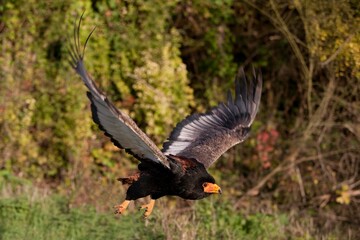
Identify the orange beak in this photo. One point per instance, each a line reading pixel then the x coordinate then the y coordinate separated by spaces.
pixel 211 188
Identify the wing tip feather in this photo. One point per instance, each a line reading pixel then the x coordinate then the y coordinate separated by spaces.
pixel 239 111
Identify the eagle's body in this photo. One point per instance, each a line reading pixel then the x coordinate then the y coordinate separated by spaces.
pixel 156 181
pixel 178 169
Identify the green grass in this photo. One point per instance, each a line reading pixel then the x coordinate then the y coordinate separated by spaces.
pixel 52 218
pixel 220 221
pixel 27 212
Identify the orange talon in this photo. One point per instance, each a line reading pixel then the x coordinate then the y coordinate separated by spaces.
pixel 120 209
pixel 148 208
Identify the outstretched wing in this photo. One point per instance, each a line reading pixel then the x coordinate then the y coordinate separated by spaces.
pixel 121 129
pixel 206 137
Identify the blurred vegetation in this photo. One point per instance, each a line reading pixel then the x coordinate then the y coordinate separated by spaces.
pixel 161 60
pixel 37 215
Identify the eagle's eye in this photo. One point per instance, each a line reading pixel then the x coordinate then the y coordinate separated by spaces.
pixel 204 184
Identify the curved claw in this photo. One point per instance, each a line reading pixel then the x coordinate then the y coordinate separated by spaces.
pixel 148 208
pixel 120 209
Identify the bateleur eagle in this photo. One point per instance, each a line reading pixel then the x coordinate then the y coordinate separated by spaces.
pixel 195 143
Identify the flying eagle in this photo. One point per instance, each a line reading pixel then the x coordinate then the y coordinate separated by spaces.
pixel 178 169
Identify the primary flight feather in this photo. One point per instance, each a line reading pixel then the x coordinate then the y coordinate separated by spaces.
pixel 195 143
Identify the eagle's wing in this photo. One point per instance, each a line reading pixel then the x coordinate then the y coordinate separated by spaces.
pixel 206 137
pixel 121 129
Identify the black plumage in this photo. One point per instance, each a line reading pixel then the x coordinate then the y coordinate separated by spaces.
pixel 195 143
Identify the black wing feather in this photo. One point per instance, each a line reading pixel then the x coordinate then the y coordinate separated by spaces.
pixel 206 137
pixel 119 127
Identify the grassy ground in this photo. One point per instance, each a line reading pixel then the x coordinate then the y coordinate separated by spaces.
pixel 52 217
pixel 29 212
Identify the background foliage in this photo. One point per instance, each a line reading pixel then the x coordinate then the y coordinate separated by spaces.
pixel 161 60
